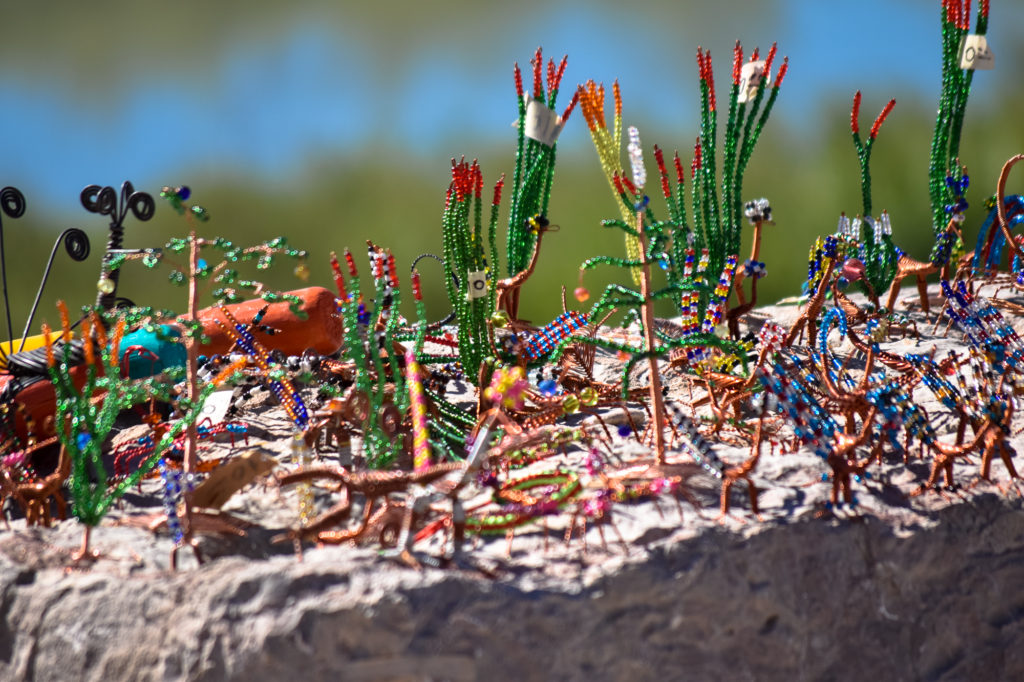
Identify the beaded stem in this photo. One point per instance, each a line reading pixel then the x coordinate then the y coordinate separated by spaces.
pixel 464 261
pixel 608 145
pixel 956 87
pixel 535 167
pixel 420 434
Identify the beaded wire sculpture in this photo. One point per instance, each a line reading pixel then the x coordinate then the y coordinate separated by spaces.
pixel 446 420
pixel 468 279
pixel 956 87
pixel 242 336
pixel 653 238
pixel 607 144
pixel 701 305
pixel 370 344
pixel 86 415
pixel 988 252
pixel 535 156
pixel 197 272
pixel 716 208
pixel 870 239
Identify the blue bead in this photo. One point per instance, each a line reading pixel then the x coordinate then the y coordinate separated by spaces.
pixel 183 192
pixel 625 430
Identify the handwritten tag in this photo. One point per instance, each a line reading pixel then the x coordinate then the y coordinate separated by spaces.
pixel 751 76
pixel 974 53
pixel 216 407
pixel 226 480
pixel 541 124
pixel 477 284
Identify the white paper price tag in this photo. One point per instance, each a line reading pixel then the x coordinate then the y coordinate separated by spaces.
pixel 974 53
pixel 541 124
pixel 751 76
pixel 477 285
pixel 216 407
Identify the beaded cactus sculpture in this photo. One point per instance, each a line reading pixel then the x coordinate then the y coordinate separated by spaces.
pixel 716 207
pixel 85 416
pixel 654 238
pixel 538 129
pixel 871 239
pixel 371 345
pixel 956 87
pixel 469 281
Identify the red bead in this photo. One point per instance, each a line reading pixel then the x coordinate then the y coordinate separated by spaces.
pixel 855 113
pixel 416 292
pixel 737 62
pixel 497 190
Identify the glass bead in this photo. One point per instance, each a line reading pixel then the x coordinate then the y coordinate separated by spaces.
pixel 106 285
pixel 548 387
pixel 581 294
pixel 570 404
pixel 500 319
pixel 302 272
pixel 589 396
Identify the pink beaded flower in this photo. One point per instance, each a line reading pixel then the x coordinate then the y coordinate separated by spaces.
pixel 507 387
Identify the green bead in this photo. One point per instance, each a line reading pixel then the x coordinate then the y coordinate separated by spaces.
pixel 570 404
pixel 500 319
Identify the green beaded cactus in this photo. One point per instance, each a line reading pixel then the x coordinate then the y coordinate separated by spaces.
pixel 538 129
pixel 702 306
pixel 469 281
pixel 370 340
pixel 870 238
pixel 85 415
pixel 718 224
pixel 717 211
pixel 956 87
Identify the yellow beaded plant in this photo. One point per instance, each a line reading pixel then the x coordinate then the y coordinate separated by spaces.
pixel 607 144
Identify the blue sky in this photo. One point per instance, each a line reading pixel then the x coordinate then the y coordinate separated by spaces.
pixel 316 89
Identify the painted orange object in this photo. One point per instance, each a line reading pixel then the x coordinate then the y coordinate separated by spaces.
pixel 40 402
pixel 322 331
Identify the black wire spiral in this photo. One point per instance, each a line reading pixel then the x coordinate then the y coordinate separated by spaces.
pixel 12 203
pixel 104 201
